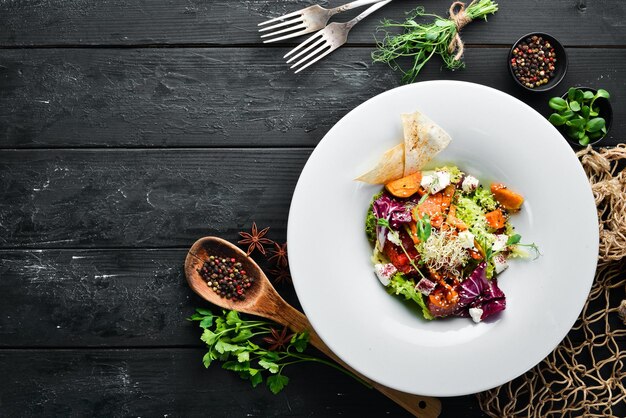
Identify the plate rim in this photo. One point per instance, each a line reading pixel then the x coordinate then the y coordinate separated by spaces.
pixel 566 149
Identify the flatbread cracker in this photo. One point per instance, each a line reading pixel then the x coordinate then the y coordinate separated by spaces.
pixel 423 139
pixel 390 167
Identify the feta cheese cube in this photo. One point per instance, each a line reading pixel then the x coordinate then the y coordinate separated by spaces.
pixel 470 183
pixel 443 180
pixel 466 238
pixel 384 272
pixel 436 182
pixel 427 180
pixel 394 238
pixel 476 314
pixel 500 242
pixel 425 286
pixel 500 263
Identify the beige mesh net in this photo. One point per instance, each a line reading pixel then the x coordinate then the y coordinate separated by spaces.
pixel 584 375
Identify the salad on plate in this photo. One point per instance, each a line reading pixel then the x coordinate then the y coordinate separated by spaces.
pixel 440 238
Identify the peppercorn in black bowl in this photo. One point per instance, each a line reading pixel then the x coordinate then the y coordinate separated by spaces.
pixel 537 62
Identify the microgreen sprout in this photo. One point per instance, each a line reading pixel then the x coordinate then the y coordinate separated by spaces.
pixel 420 42
pixel 513 239
pixel 385 223
pixel 579 114
pixel 424 228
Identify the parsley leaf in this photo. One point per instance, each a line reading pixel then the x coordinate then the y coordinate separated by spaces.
pixel 206 322
pixel 255 377
pixel 207 359
pixel 277 383
pixel 231 338
pixel 268 365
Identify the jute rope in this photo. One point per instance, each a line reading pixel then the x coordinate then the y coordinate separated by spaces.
pixel 460 19
pixel 609 190
pixel 584 379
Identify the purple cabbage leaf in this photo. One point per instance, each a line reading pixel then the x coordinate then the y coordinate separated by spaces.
pixel 493 301
pixel 478 292
pixel 394 212
pixel 473 286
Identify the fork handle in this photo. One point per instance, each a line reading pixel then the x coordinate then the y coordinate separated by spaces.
pixel 366 13
pixel 351 5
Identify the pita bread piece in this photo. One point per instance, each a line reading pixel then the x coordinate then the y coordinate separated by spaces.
pixel 423 139
pixel 390 167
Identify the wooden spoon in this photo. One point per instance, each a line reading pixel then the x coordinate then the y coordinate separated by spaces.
pixel 263 300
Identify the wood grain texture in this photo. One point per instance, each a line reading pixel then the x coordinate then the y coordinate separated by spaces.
pixel 231 96
pixel 229 22
pixel 174 383
pixel 263 300
pixel 142 198
pixel 95 298
pixel 91 330
pixel 106 298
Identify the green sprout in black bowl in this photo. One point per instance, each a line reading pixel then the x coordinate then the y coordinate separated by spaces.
pixel 579 116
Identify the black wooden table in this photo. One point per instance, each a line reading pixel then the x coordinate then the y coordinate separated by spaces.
pixel 129 128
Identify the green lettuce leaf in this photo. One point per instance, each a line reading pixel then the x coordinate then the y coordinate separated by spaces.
pixel 400 285
pixel 370 221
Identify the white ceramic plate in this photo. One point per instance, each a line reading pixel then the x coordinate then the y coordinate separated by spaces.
pixel 495 137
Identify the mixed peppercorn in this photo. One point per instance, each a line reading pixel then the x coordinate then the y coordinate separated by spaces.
pixel 533 61
pixel 226 277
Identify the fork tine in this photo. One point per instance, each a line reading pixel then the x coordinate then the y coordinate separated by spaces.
pixel 311 55
pixel 288 22
pixel 303 44
pixel 291 35
pixel 315 60
pixel 276 19
pixel 313 45
pixel 289 29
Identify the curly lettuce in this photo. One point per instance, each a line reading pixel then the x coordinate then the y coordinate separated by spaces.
pixel 471 209
pixel 473 214
pixel 370 220
pixel 400 285
pixel 455 173
pixel 370 226
pixel 484 198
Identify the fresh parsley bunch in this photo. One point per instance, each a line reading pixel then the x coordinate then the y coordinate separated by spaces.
pixel 256 349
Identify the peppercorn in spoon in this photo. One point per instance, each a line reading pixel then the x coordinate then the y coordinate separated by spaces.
pixel 261 299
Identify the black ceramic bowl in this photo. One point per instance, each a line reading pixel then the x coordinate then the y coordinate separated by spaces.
pixel 560 68
pixel 605 111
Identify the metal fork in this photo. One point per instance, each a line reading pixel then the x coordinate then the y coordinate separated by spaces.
pixel 305 21
pixel 328 39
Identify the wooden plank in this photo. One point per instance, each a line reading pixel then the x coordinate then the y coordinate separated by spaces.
pixel 230 96
pixel 141 198
pixel 114 298
pixel 174 383
pixel 227 22
pixel 110 298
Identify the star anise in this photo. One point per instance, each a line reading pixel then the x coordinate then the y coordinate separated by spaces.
pixel 279 254
pixel 281 275
pixel 255 240
pixel 278 339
